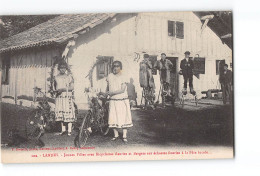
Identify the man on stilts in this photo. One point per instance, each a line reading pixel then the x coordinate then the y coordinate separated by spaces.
pixel 165 66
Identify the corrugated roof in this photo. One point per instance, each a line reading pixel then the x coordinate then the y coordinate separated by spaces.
pixel 55 30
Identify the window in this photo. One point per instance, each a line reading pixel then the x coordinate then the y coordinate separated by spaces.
pixel 219 66
pixel 104 64
pixel 5 70
pixel 199 65
pixel 176 29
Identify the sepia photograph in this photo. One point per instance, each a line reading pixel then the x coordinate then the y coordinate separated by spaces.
pixel 117 86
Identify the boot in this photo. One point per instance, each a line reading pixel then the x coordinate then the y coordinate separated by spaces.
pixel 184 91
pixel 192 91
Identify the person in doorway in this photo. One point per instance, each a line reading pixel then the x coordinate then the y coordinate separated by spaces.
pixel 64 103
pixel 119 108
pixel 187 66
pixel 225 80
pixel 164 66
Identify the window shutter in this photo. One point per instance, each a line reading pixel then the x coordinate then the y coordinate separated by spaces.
pixel 171 28
pixel 174 28
pixel 180 30
pixel 199 65
pixel 100 70
pixel 103 67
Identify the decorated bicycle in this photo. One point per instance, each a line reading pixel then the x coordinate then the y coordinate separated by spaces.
pixel 95 119
pixel 42 118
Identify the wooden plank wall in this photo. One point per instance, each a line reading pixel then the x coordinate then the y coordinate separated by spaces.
pixel 146 32
pixel 153 34
pixel 29 69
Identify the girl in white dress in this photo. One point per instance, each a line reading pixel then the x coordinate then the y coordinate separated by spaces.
pixel 64 105
pixel 119 106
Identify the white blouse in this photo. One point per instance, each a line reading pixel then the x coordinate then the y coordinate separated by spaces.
pixel 63 81
pixel 115 82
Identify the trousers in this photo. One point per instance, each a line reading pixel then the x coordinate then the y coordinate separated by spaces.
pixel 226 92
pixel 186 79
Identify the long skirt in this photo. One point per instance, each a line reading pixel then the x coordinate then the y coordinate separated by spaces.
pixel 119 114
pixel 64 108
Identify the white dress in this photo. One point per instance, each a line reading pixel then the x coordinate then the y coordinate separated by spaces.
pixel 64 104
pixel 119 107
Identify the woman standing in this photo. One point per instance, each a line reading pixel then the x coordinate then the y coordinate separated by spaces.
pixel 119 107
pixel 64 105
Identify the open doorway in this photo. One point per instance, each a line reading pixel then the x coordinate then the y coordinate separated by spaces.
pixel 174 82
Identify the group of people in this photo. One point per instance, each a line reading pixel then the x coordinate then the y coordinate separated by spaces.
pixel 165 66
pixel 119 107
pixel 186 69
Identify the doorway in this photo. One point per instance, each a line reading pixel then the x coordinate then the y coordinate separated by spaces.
pixel 174 82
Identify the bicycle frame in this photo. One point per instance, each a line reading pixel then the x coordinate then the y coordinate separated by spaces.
pixel 95 119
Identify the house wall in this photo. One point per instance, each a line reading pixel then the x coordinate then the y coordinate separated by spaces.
pixel 115 39
pixel 126 38
pixel 28 69
pixel 153 38
pixel 131 35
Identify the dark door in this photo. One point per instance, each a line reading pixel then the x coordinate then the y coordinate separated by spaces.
pixel 174 76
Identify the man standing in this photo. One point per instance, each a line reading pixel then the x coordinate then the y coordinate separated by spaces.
pixel 187 66
pixel 225 80
pixel 164 66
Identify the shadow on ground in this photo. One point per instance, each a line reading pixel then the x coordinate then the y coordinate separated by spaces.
pixel 212 126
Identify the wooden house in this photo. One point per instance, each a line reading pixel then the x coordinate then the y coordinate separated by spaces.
pixel 91 42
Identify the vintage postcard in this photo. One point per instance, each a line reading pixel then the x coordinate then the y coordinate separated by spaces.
pixel 117 86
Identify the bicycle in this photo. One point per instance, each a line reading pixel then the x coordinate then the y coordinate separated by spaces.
pixel 95 120
pixel 41 119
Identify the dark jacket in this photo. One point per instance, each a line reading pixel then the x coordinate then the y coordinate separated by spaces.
pixel 226 78
pixel 187 67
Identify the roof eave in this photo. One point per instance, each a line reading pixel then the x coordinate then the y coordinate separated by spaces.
pixel 62 39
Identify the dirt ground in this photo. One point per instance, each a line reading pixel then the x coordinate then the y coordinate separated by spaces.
pixel 170 126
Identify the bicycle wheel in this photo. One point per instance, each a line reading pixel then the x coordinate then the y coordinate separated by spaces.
pixel 50 122
pixel 34 125
pixel 83 131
